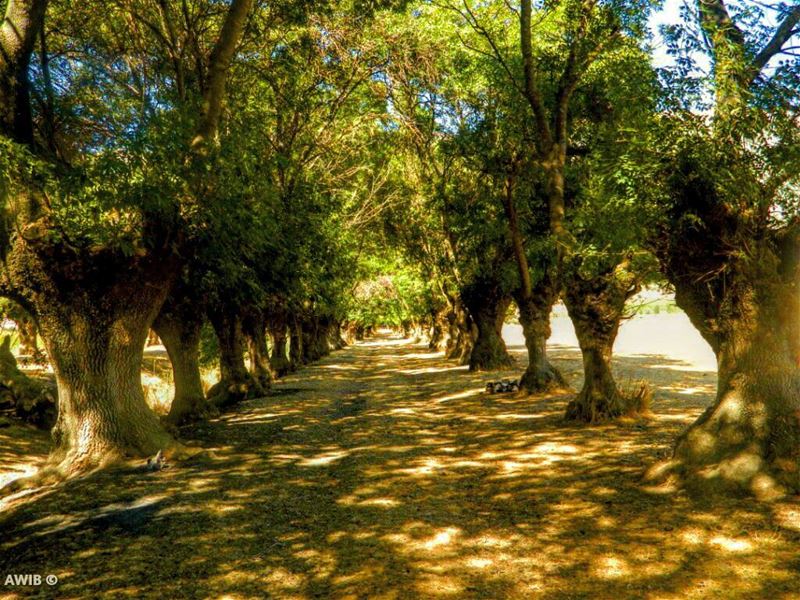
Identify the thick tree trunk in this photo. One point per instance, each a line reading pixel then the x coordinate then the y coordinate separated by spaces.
pixel 179 325
pixel 749 440
pixel 487 306
pixel 335 340
pixel 439 337
pixel 462 334
pixel 279 359
pixel 295 345
pixel 596 307
pixel 102 412
pixel 534 316
pixel 315 339
pixel 255 331
pixel 745 303
pixel 236 383
pixel 94 324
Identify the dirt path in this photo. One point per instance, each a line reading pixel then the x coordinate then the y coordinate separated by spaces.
pixel 386 472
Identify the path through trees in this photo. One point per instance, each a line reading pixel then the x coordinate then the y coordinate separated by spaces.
pixel 384 471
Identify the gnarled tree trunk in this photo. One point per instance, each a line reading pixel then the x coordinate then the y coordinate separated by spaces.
pixel 487 306
pixel 439 336
pixel 255 331
pixel 236 383
pixel 596 307
pixel 178 325
pixel 462 334
pixel 534 317
pixel 736 273
pixel 335 339
pixel 749 439
pixel 315 339
pixel 94 325
pixel 278 359
pixel 745 302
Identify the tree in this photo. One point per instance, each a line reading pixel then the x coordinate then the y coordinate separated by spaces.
pixel 731 248
pixel 94 287
pixel 547 69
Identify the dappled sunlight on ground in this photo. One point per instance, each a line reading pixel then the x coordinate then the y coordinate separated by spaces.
pixel 23 449
pixel 385 472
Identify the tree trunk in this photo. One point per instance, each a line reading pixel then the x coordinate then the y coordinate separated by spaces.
pixel 596 307
pixel 534 316
pixel 745 303
pixel 278 360
pixel 748 439
pixel 462 334
pixel 236 383
pixel 440 330
pixel 315 339
pixel 487 307
pixel 179 325
pixel 295 345
pixel 102 412
pixel 94 324
pixel 255 331
pixel 335 340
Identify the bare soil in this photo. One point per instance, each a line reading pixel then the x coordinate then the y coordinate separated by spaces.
pixel 386 472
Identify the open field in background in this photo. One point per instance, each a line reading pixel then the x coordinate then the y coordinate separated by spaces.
pixel 669 335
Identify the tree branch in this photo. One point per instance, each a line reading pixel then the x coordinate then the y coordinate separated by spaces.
pixel 532 93
pixel 782 34
pixel 218 67
pixel 22 22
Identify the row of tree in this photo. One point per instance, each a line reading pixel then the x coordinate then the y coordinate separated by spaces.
pixel 265 167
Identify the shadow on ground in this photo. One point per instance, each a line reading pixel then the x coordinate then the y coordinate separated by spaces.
pixel 386 472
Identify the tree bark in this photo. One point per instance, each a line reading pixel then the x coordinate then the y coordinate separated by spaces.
pixel 596 307
pixel 255 331
pixel 295 345
pixel 315 339
pixel 236 383
pixel 487 306
pixel 94 324
pixel 217 76
pixel 178 325
pixel 462 334
pixel 335 339
pixel 278 360
pixel 439 330
pixel 747 441
pixel 534 317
